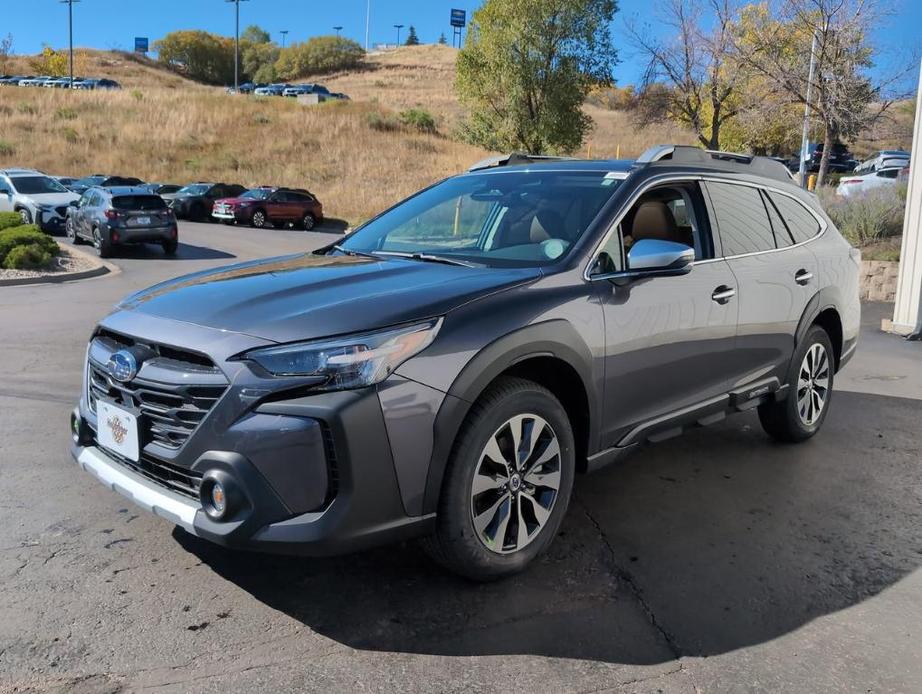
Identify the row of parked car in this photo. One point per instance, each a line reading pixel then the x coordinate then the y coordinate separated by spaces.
pixel 883 169
pixel 110 211
pixel 58 82
pixel 290 90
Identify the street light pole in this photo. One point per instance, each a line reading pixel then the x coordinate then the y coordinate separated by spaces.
pixel 337 29
pixel 367 23
pixel 236 44
pixel 398 27
pixel 70 35
pixel 805 138
pixel 284 33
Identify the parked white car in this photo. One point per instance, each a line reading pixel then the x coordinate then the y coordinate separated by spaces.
pixel 858 185
pixel 38 198
pixel 883 159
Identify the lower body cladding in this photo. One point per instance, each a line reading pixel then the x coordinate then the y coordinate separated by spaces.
pixel 310 476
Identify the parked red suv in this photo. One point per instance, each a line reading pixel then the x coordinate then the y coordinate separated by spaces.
pixel 265 206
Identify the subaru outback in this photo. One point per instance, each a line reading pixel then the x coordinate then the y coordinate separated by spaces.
pixel 447 369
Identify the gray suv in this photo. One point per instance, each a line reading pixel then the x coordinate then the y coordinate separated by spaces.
pixel 447 369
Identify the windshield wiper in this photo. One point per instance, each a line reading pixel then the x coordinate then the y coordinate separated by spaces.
pixel 349 251
pixel 428 258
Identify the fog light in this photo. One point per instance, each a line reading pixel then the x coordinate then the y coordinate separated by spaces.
pixel 218 500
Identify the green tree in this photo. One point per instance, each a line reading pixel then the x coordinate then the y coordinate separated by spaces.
pixel 199 55
pixel 257 60
pixel 412 38
pixel 319 54
pixel 527 67
pixel 255 34
pixel 442 40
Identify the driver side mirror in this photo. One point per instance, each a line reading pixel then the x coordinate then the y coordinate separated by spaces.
pixel 73 203
pixel 653 258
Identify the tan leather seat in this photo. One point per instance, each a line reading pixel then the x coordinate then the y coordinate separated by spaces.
pixel 654 220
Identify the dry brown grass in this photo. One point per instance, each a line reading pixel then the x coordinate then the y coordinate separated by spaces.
pixel 160 132
pixel 204 134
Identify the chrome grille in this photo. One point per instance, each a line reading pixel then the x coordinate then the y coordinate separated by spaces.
pixel 172 393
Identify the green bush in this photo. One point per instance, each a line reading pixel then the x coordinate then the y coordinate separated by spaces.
pixel 418 119
pixel 65 114
pixel 9 219
pixel 25 235
pixel 383 122
pixel 320 54
pixel 869 217
pixel 27 258
pixel 6 149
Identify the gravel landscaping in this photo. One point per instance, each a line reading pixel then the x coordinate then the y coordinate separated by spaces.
pixel 67 262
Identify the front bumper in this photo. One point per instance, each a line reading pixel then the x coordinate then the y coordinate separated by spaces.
pixel 50 222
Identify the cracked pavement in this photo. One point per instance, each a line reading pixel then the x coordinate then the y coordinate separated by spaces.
pixel 718 561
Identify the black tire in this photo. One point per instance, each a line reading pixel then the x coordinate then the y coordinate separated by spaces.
pixel 796 418
pixel 101 244
pixel 71 232
pixel 457 544
pixel 169 247
pixel 25 215
pixel 260 219
pixel 308 222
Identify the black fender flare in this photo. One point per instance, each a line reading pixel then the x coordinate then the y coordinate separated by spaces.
pixel 824 299
pixel 555 338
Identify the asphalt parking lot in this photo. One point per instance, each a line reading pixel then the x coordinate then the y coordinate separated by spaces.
pixel 715 562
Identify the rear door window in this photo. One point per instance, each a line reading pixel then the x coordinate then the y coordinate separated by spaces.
pixel 742 220
pixel 802 224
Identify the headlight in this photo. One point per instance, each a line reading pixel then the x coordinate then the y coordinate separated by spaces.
pixel 348 362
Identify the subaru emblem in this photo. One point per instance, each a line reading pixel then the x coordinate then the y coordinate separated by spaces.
pixel 122 366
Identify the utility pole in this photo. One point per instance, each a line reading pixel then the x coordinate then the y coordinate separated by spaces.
pixel 70 34
pixel 398 27
pixel 367 23
pixel 805 138
pixel 338 29
pixel 236 44
pixel 284 33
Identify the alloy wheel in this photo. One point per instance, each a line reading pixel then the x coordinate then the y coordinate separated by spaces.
pixel 515 484
pixel 813 384
pixel 259 219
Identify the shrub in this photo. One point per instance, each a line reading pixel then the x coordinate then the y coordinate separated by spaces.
pixel 9 219
pixel 418 119
pixel 65 114
pixel 27 258
pixel 70 135
pixel 383 122
pixel 24 236
pixel 320 54
pixel 869 217
pixel 137 95
pixel 6 149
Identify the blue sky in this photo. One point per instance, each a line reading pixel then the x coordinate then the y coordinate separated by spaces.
pixel 115 23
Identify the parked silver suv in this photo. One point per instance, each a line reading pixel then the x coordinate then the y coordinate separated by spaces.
pixel 448 368
pixel 38 198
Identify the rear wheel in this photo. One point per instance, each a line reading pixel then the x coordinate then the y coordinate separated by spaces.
pixel 801 414
pixel 169 247
pixel 506 487
pixel 259 220
pixel 101 244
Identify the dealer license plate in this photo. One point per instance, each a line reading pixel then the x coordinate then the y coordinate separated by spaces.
pixel 117 430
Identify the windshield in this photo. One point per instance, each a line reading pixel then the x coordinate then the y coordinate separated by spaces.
pixel 509 219
pixel 37 185
pixel 195 189
pixel 89 181
pixel 257 194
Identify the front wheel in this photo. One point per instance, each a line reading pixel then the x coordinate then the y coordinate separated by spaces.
pixel 259 220
pixel 71 230
pixel 801 414
pixel 507 484
pixel 25 215
pixel 308 222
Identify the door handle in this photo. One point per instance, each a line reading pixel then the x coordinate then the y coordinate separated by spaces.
pixel 723 294
pixel 803 277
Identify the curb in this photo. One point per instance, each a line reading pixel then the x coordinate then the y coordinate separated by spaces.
pixel 102 268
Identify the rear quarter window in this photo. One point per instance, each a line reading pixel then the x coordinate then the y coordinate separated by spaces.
pixel 802 224
pixel 742 220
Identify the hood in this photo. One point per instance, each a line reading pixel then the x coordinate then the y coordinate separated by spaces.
pixel 168 196
pixel 307 296
pixel 55 199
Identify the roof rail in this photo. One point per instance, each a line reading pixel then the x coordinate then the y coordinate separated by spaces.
pixel 685 154
pixel 514 159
